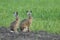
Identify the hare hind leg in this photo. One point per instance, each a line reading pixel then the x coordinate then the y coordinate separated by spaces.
pixel 25 29
pixel 29 29
pixel 15 30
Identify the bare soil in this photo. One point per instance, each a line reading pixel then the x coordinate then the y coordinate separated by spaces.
pixel 5 34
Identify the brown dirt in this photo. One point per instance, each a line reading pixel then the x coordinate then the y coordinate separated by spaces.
pixel 5 34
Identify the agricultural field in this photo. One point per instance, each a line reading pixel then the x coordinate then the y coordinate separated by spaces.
pixel 45 13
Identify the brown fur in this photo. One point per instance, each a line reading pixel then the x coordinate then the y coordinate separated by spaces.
pixel 15 24
pixel 25 24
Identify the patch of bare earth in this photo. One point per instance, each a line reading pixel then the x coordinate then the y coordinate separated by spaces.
pixel 5 34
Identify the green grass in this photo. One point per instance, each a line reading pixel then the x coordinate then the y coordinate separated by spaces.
pixel 46 13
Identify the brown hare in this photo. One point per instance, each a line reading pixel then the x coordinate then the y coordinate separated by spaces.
pixel 25 24
pixel 15 24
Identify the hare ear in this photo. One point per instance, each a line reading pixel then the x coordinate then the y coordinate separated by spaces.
pixel 26 11
pixel 16 13
pixel 31 11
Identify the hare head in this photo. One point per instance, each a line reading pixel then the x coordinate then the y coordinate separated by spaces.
pixel 29 13
pixel 16 15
